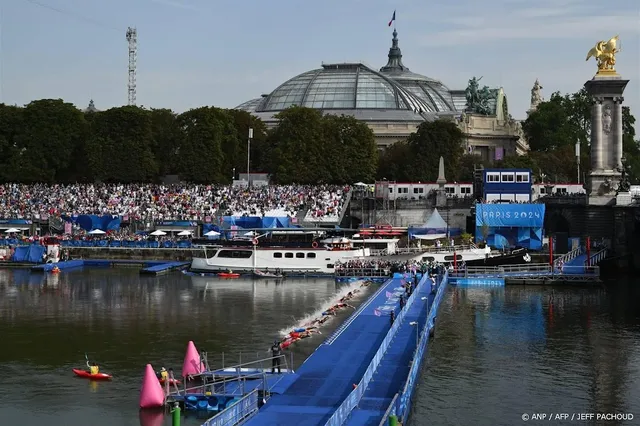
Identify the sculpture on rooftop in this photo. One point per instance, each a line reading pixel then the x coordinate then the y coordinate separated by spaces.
pixel 478 100
pixel 536 95
pixel 605 54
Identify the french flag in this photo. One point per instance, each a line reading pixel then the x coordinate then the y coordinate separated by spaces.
pixel 393 18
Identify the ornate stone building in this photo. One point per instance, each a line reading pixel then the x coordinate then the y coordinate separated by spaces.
pixel 393 101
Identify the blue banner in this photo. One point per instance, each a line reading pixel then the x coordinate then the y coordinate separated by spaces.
pixel 183 223
pixel 15 222
pixel 510 215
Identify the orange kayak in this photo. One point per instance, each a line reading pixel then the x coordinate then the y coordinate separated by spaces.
pixel 228 275
pixel 85 374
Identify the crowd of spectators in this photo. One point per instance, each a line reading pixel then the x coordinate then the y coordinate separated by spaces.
pixel 170 202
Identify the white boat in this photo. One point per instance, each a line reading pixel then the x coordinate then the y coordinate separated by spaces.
pixel 319 259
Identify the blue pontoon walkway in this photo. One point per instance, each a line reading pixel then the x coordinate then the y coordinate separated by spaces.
pixel 392 372
pixel 327 377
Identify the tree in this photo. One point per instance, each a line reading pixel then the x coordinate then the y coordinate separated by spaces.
pixel 432 140
pixel 120 148
pixel 243 121
pixel 296 145
pixel 51 132
pixel 350 152
pixel 11 123
pixel 167 137
pixel 560 122
pixel 201 157
pixel 393 162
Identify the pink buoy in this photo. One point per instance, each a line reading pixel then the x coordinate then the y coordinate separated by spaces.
pixel 192 364
pixel 151 393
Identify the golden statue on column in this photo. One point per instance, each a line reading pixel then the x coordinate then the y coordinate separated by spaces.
pixel 605 54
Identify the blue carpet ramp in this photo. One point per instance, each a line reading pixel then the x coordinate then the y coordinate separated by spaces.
pixel 327 377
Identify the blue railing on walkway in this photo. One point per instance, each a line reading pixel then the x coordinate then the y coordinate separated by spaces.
pixel 342 413
pixel 240 411
pixel 404 402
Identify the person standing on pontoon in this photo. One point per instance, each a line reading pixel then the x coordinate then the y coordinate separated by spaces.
pixel 276 352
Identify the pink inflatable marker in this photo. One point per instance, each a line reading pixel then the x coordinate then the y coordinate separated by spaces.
pixel 151 393
pixel 192 364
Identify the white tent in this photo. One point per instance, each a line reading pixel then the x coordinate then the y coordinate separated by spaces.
pixel 184 233
pixel 212 234
pixel 12 231
pixel 97 232
pixel 436 227
pixel 158 233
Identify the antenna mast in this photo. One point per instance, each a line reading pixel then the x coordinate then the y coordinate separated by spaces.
pixel 132 38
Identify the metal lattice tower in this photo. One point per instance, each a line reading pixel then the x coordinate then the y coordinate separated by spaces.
pixel 132 38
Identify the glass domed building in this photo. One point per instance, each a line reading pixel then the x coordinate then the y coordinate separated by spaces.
pixel 392 101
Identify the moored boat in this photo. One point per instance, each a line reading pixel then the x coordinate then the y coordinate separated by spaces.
pixel 309 256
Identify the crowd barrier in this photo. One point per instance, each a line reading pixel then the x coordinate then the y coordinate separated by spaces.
pixel 402 405
pixel 236 414
pixel 342 413
pixel 106 243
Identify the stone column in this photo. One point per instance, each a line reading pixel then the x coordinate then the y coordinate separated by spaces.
pixel 596 135
pixel 618 131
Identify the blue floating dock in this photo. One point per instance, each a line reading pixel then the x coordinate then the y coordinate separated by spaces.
pixel 152 267
pixel 164 268
pixel 327 377
pixel 63 266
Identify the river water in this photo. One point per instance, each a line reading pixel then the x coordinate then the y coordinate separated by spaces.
pixel 497 353
pixel 124 321
pixel 501 354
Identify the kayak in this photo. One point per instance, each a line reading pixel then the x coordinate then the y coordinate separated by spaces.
pixel 85 374
pixel 263 274
pixel 228 275
pixel 172 381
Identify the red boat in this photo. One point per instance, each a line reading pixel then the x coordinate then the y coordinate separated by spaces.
pixel 85 374
pixel 228 275
pixel 172 382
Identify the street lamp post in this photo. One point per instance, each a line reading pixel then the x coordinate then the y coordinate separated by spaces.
pixel 249 157
pixel 578 159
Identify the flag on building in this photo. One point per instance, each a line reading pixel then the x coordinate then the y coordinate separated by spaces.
pixel 393 18
pixel 377 312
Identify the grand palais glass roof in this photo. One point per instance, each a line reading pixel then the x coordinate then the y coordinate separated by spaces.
pixel 355 86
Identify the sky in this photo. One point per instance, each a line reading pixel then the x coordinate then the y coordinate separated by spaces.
pixel 193 53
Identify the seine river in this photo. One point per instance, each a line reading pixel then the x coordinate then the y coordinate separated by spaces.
pixel 497 354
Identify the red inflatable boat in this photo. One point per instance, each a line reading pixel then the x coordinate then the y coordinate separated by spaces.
pixel 172 382
pixel 228 275
pixel 85 374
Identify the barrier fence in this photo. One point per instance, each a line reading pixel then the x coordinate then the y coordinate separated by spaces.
pixel 340 416
pixel 239 412
pixel 404 401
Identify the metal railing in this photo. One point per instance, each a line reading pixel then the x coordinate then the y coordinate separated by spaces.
pixel 567 257
pixel 404 401
pixel 529 271
pixel 237 413
pixel 362 272
pixel 392 410
pixel 351 401
pixel 597 257
pixel 216 381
